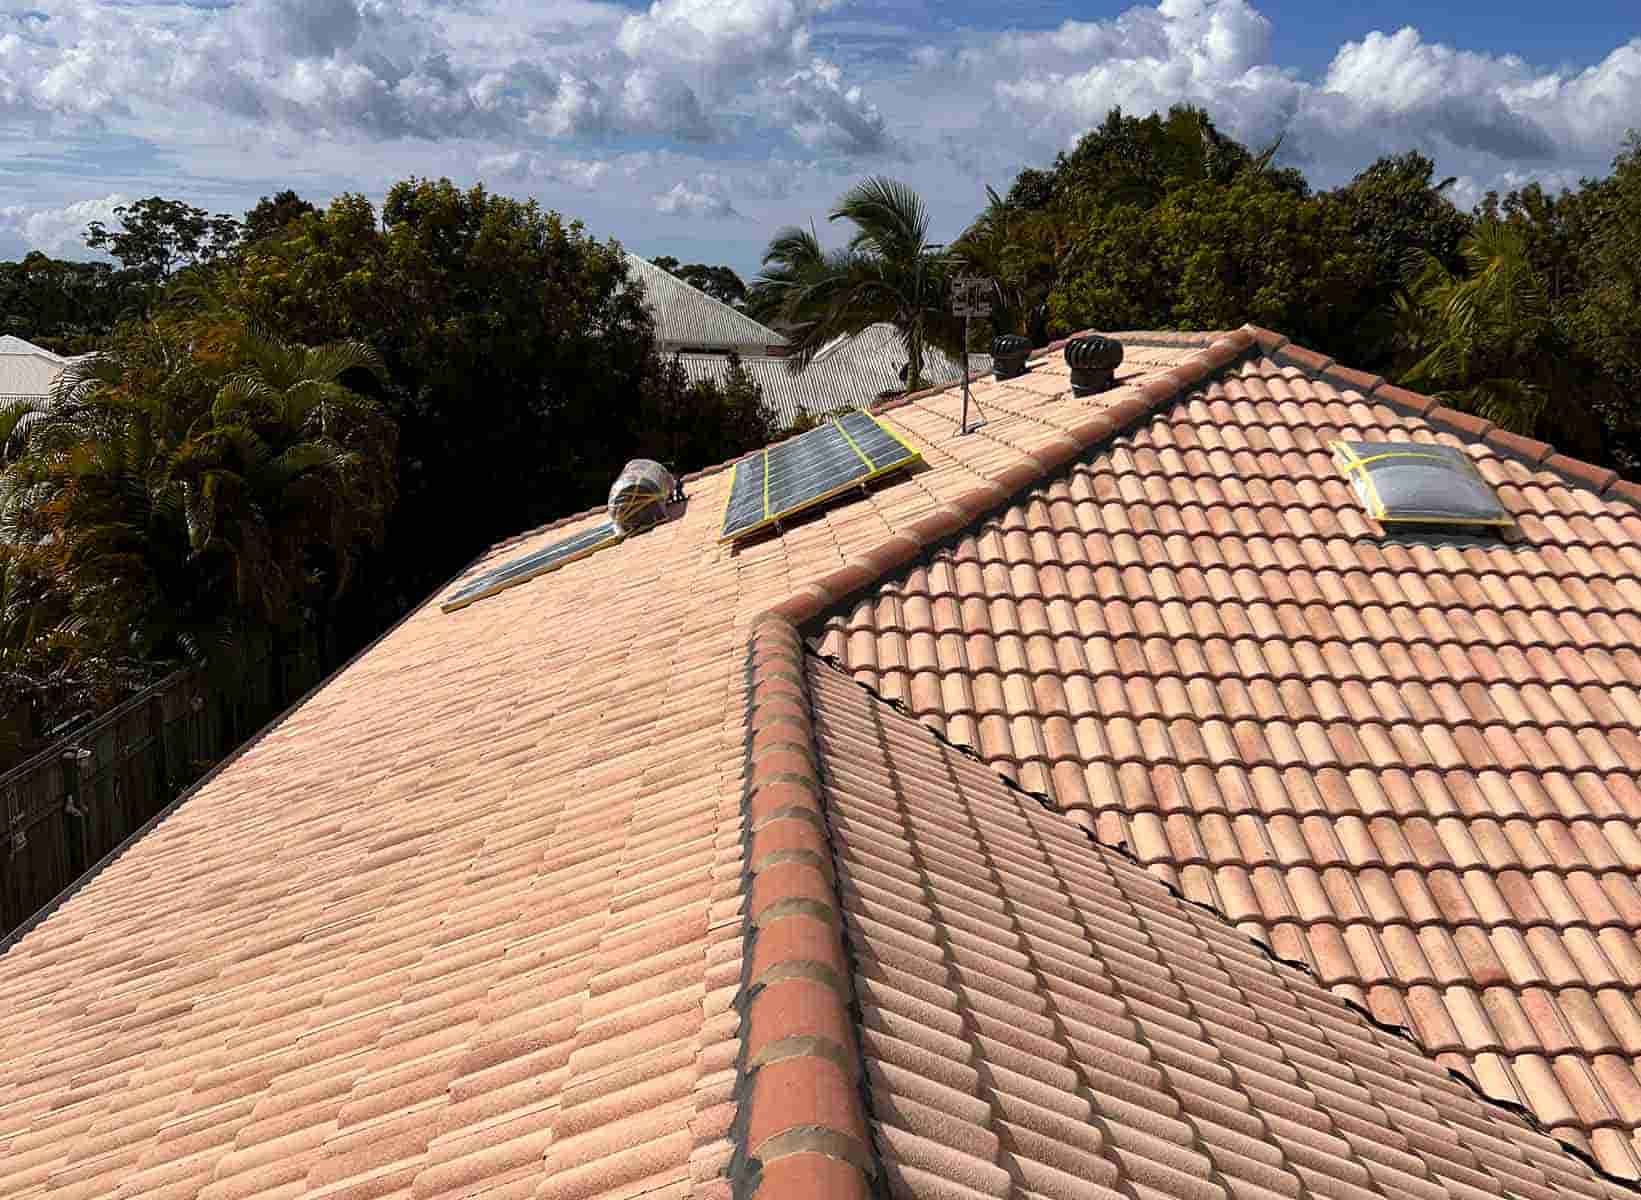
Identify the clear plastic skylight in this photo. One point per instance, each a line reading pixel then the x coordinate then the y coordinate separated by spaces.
pixel 1414 483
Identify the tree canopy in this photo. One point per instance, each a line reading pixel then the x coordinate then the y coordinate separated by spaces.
pixel 721 283
pixel 157 237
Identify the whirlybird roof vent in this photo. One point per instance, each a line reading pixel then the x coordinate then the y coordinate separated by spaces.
pixel 1413 483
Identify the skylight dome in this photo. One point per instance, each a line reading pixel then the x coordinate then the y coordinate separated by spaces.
pixel 1415 483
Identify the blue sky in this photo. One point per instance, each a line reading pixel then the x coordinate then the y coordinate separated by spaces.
pixel 698 127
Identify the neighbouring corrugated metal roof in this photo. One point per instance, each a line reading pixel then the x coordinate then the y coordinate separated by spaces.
pixel 686 316
pixel 851 372
pixel 27 369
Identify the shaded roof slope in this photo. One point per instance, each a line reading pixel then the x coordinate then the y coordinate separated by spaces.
pixel 1040 1017
pixel 1409 762
pixel 687 316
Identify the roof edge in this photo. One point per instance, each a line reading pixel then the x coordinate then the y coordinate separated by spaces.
pixel 1130 404
pixel 800 1126
pixel 74 887
pixel 1603 481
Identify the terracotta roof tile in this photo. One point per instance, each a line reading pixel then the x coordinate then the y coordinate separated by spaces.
pixel 1044 1019
pixel 1292 637
pixel 474 919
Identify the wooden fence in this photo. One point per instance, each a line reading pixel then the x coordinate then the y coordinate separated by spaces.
pixel 68 806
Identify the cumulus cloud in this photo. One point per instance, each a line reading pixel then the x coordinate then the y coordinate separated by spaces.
pixel 707 197
pixel 1208 52
pixel 396 69
pixel 825 114
pixel 583 174
pixel 61 230
pixel 1483 114
pixel 1400 86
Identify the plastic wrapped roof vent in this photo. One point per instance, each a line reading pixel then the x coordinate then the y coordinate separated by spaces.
pixel 1414 483
pixel 640 494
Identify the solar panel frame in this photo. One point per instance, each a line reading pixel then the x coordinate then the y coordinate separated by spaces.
pixel 806 471
pixel 534 565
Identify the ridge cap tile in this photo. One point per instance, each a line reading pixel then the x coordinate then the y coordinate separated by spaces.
pixel 801 1126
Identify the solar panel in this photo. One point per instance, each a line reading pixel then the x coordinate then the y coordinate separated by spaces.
pixel 848 451
pixel 520 570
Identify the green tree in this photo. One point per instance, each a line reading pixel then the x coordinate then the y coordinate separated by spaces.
pixel 194 493
pixel 889 272
pixel 1396 209
pixel 158 237
pixel 1022 250
pixel 69 307
pixel 691 421
pixel 721 283
pixel 517 353
pixel 1139 160
pixel 1482 338
pixel 272 213
pixel 1214 255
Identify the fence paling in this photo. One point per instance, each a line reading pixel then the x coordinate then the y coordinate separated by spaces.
pixel 66 807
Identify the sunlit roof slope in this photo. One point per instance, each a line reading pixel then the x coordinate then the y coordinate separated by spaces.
pixel 1409 761
pixel 688 318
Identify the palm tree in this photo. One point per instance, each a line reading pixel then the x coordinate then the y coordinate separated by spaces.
pixel 888 272
pixel 1478 339
pixel 198 489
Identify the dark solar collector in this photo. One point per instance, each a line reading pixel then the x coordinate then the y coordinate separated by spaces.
pixel 549 558
pixel 848 451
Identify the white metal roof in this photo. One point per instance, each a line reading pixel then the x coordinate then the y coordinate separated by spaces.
pixel 850 372
pixel 27 369
pixel 686 317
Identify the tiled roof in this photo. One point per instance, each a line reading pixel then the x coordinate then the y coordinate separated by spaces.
pixel 1041 1017
pixel 1410 763
pixel 853 372
pixel 524 903
pixel 686 316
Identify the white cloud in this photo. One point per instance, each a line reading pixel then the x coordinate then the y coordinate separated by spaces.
pixel 825 114
pixel 720 37
pixel 1479 114
pixel 583 174
pixel 58 231
pixel 707 198
pixel 395 69
pixel 775 100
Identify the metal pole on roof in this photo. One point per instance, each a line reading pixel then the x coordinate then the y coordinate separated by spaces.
pixel 968 300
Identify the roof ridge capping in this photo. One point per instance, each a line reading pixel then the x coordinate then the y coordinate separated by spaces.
pixel 1125 407
pixel 1603 481
pixel 800 1129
